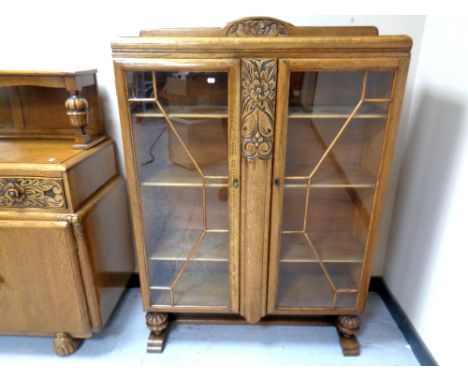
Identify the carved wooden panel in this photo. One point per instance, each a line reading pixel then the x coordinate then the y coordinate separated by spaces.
pixel 255 27
pixel 32 192
pixel 258 107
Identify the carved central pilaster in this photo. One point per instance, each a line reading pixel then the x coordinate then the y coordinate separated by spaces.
pixel 258 107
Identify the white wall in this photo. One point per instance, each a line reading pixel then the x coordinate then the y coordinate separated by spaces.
pixel 35 35
pixel 427 263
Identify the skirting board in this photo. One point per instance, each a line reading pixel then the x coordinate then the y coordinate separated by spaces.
pixel 378 286
pixel 421 352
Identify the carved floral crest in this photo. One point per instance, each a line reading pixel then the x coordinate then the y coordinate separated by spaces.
pixel 258 27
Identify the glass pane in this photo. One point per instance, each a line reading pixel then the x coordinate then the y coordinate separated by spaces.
pixel 331 163
pixel 303 285
pixel 195 285
pixel 379 85
pixel 179 92
pixel 180 130
pixel 346 300
pixel 335 130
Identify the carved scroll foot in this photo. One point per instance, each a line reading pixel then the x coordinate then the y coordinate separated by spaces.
pixel 157 323
pixel 64 344
pixel 347 327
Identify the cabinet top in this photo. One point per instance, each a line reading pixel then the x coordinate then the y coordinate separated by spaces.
pixel 35 155
pixel 263 35
pixel 33 103
pixel 72 80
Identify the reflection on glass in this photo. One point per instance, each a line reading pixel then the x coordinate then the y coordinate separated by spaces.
pixel 180 134
pixel 203 93
pixel 336 123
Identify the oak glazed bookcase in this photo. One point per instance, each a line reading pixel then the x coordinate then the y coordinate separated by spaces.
pixel 257 158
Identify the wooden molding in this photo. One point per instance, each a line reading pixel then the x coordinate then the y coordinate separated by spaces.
pixel 261 26
pixel 85 261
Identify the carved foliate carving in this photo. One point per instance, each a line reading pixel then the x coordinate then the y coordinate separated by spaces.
pixel 258 107
pixel 31 192
pixel 256 27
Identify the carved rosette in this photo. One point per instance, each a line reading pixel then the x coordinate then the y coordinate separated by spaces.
pixel 258 107
pixel 31 192
pixel 256 27
pixel 157 322
pixel 348 326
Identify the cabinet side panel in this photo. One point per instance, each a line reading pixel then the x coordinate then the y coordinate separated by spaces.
pixel 108 236
pixel 89 175
pixel 40 283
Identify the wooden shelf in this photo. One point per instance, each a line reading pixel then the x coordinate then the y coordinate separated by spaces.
pixel 213 247
pixel 367 111
pixel 201 111
pixel 171 175
pixel 329 176
pixel 338 247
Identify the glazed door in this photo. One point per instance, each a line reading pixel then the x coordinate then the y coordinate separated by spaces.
pixel 330 131
pixel 182 139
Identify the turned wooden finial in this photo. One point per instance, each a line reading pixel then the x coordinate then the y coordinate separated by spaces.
pixel 77 112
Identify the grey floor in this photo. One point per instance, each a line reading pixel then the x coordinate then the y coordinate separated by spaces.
pixel 124 342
